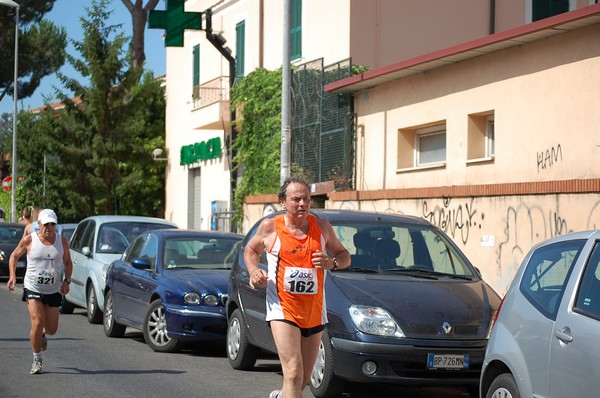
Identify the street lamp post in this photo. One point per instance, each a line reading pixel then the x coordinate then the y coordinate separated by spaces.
pixel 13 190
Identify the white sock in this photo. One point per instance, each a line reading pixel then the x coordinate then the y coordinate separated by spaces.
pixel 37 355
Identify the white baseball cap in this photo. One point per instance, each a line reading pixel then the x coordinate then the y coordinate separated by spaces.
pixel 47 216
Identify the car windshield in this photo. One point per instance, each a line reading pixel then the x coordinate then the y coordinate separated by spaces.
pixel 392 248
pixel 200 253
pixel 11 234
pixel 115 237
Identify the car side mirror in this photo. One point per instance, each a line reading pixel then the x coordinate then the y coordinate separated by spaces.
pixel 141 263
pixel 86 251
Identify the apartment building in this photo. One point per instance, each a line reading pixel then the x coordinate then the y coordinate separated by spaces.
pixel 465 117
pixel 372 34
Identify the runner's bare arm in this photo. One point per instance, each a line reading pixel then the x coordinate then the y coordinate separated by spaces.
pixel 253 250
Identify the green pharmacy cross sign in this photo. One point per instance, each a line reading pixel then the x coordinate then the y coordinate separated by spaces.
pixel 175 21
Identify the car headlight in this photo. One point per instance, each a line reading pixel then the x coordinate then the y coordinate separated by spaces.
pixel 211 299
pixel 374 320
pixel 191 298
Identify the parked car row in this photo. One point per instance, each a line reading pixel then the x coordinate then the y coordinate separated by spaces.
pixel 96 242
pixel 411 309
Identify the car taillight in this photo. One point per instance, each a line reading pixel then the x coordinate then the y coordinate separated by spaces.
pixel 496 313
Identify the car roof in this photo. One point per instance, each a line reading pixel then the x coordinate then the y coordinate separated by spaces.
pixel 118 218
pixel 340 215
pixel 593 234
pixel 170 233
pixel 12 224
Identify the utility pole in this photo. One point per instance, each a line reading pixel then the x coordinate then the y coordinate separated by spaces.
pixel 286 93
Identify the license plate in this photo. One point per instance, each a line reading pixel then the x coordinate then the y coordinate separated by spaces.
pixel 21 264
pixel 447 361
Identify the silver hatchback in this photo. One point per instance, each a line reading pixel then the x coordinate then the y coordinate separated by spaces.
pixel 545 340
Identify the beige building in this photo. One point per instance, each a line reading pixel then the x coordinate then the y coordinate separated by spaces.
pixel 373 33
pixel 496 141
pixel 479 133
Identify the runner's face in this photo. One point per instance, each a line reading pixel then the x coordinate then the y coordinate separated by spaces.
pixel 48 229
pixel 297 201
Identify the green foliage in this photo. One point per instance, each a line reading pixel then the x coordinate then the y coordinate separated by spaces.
pixel 98 149
pixel 41 46
pixel 358 69
pixel 6 203
pixel 258 145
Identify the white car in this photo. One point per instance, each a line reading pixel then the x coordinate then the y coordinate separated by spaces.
pixel 545 340
pixel 96 242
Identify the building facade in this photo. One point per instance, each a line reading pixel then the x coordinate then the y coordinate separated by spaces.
pixel 371 33
pixel 495 140
pixel 474 126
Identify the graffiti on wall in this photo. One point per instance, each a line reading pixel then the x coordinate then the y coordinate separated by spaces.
pixel 546 159
pixel 455 220
pixel 517 224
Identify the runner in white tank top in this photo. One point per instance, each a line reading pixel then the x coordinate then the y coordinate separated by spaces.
pixel 46 281
pixel 44 266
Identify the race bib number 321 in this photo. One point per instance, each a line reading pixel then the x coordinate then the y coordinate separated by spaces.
pixel 300 280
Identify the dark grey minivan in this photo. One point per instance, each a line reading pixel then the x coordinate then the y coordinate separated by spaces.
pixel 411 309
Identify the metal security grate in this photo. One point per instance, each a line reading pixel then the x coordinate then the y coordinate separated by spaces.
pixel 322 124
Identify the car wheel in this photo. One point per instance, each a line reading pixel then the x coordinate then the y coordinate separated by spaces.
pixel 66 307
pixel 323 382
pixel 111 327
pixel 241 354
pixel 155 329
pixel 93 312
pixel 503 386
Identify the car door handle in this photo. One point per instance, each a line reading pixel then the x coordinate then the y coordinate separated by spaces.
pixel 564 335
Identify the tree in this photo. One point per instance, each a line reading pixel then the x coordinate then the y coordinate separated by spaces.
pixel 139 17
pixel 258 98
pixel 41 46
pixel 101 143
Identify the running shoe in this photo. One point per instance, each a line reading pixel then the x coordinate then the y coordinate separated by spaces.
pixel 37 367
pixel 44 342
pixel 275 394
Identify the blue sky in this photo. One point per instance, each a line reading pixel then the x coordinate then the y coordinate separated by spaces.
pixel 67 13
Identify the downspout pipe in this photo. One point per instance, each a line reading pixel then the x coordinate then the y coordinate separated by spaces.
pixel 219 43
pixel 492 17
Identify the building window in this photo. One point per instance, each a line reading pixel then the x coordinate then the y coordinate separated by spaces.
pixel 421 146
pixel 196 75
pixel 481 137
pixel 296 30
pixel 240 49
pixel 490 137
pixel 430 145
pixel 541 9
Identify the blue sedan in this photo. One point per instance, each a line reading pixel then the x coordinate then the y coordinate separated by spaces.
pixel 172 285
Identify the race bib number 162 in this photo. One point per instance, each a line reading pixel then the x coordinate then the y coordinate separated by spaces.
pixel 300 280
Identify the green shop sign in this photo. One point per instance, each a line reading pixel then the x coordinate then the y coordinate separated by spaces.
pixel 199 151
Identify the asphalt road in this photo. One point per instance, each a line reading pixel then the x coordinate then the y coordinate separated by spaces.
pixel 82 362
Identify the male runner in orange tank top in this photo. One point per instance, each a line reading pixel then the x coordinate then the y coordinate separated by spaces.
pixel 297 244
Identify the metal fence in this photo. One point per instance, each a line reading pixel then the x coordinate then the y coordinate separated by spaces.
pixel 322 141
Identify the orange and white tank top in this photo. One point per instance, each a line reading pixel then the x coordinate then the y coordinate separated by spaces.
pixel 295 288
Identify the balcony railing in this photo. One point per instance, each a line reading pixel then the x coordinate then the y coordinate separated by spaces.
pixel 211 92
